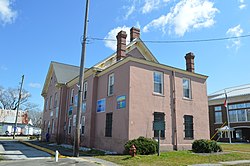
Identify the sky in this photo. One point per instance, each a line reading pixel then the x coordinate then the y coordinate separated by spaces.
pixel 34 33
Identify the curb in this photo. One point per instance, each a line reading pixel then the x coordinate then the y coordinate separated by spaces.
pixel 42 149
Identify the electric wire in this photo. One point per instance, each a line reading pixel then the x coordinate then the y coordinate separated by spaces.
pixel 178 41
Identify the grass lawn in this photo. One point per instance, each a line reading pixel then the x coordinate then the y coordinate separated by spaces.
pixel 183 157
pixel 235 147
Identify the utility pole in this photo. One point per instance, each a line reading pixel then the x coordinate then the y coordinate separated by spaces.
pixel 81 80
pixel 17 109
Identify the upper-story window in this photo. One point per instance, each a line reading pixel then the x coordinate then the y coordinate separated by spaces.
pixel 50 102
pixel 72 96
pixel 158 82
pixel 217 114
pixel 186 88
pixel 55 100
pixel 46 104
pixel 111 82
pixel 85 87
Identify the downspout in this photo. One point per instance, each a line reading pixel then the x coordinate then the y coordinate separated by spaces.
pixel 174 124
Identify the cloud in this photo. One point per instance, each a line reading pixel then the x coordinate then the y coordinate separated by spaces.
pixel 151 5
pixel 185 16
pixel 131 10
pixel 35 85
pixel 3 68
pixel 7 14
pixel 234 32
pixel 110 41
pixel 242 4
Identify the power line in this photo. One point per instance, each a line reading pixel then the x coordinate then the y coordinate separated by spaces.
pixel 179 41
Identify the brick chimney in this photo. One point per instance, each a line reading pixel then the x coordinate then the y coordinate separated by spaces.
pixel 134 33
pixel 190 62
pixel 121 45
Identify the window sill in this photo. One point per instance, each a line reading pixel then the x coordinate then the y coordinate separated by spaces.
pixel 111 95
pixel 188 138
pixel 158 94
pixel 161 138
pixel 218 123
pixel 188 99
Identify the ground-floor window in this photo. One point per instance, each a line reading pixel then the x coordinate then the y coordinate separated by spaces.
pixel 159 117
pixel 108 127
pixel 188 127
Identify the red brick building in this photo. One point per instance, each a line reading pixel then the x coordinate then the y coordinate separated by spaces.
pixel 123 95
pixel 238 100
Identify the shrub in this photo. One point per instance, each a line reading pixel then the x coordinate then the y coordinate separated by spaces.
pixel 144 146
pixel 205 146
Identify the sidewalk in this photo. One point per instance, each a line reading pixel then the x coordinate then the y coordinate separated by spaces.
pixel 66 153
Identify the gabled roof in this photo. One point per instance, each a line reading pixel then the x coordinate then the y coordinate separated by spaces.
pixel 63 73
pixel 231 92
pixel 136 43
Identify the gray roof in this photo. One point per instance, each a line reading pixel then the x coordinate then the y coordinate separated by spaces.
pixel 231 92
pixel 64 72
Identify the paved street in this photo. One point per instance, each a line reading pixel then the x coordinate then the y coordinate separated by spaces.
pixel 15 153
pixel 13 150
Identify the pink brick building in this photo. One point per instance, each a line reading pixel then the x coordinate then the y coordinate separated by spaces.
pixel 123 95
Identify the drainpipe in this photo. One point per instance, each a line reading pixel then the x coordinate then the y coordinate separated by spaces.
pixel 174 125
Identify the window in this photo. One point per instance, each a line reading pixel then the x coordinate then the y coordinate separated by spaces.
pixel 108 128
pixel 188 125
pixel 248 115
pixel 241 115
pixel 82 124
pixel 50 102
pixel 217 108
pixel 111 82
pixel 233 116
pixel 69 126
pixel 53 126
pixel 46 104
pixel 186 88
pixel 159 117
pixel 218 116
pixel 72 96
pixel 55 100
pixel 48 129
pixel 158 82
pixel 85 86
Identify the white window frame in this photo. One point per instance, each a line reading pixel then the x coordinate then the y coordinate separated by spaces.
pixel 72 96
pixel 85 88
pixel 189 87
pixel 111 82
pixel 161 83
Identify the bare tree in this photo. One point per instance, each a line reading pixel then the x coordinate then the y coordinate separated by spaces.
pixel 35 114
pixel 9 101
pixel 9 98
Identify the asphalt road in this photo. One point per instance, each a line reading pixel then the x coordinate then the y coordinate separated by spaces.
pixel 14 150
pixel 15 153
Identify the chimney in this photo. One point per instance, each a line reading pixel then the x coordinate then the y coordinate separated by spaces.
pixel 134 33
pixel 190 62
pixel 121 45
